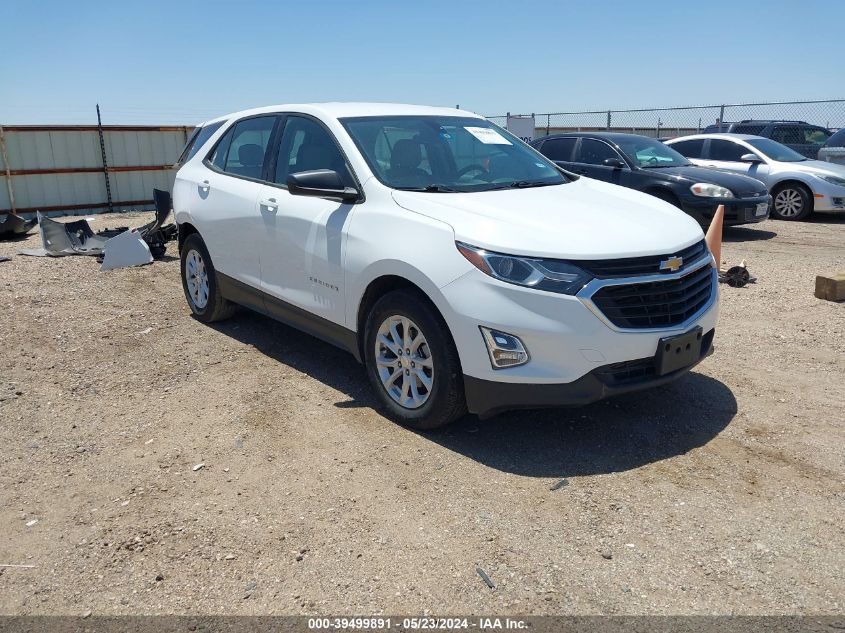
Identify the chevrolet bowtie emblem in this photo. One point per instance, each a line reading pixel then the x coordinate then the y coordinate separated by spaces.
pixel 672 264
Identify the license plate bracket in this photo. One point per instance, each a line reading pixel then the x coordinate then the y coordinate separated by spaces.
pixel 677 352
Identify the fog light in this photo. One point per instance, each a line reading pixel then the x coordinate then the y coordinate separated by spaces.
pixel 505 350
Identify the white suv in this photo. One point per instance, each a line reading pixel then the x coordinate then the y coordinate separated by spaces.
pixel 465 270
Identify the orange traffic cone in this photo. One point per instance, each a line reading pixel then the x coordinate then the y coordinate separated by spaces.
pixel 714 235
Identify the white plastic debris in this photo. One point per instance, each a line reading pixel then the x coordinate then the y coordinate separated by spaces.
pixel 126 249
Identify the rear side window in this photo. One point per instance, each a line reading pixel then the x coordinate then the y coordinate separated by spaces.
pixel 198 138
pixel 721 149
pixel 690 149
pixel 558 148
pixel 788 135
pixel 242 149
pixel 593 152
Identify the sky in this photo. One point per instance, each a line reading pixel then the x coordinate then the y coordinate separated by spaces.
pixel 182 62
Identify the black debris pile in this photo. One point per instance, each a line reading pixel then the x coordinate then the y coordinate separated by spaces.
pixel 13 226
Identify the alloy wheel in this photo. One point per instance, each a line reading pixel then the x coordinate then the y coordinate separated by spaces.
pixel 196 276
pixel 789 203
pixel 404 362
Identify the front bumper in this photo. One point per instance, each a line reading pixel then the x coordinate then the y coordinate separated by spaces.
pixel 572 347
pixel 828 197
pixel 737 210
pixel 487 397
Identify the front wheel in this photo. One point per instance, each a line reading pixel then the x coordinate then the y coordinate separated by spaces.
pixel 412 362
pixel 791 202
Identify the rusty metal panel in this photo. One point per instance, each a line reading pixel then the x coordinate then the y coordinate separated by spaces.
pixel 44 161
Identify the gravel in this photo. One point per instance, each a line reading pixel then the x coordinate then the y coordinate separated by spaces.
pixel 720 493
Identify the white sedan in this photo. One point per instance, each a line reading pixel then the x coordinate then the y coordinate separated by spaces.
pixel 798 185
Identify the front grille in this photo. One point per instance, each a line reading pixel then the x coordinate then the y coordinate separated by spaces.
pixel 633 266
pixel 656 303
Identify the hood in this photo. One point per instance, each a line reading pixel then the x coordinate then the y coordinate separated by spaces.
pixel 584 219
pixel 742 186
pixel 818 167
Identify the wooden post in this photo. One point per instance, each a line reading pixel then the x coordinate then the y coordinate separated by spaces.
pixel 8 171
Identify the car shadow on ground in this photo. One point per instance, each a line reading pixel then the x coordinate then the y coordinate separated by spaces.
pixel 746 234
pixel 827 217
pixel 610 436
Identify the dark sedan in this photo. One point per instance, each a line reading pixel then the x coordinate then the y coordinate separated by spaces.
pixel 646 164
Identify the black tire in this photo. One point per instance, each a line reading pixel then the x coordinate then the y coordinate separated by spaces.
pixel 445 402
pixel 216 307
pixel 787 193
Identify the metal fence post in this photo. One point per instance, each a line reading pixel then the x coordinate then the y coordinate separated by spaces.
pixel 8 171
pixel 548 124
pixel 105 162
pixel 721 117
pixel 608 120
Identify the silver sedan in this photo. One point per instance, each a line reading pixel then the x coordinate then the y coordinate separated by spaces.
pixel 798 185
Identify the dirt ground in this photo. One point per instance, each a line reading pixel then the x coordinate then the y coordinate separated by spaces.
pixel 152 464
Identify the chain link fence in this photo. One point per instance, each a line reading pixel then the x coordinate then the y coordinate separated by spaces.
pixel 671 122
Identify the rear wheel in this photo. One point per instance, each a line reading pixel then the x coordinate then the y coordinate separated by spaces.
pixel 199 281
pixel 412 362
pixel 791 201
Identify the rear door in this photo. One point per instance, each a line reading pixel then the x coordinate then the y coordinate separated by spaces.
pixel 225 196
pixel 302 239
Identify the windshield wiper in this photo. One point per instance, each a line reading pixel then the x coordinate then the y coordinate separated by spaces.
pixel 430 189
pixel 522 184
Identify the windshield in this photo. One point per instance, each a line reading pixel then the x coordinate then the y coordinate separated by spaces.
pixel 649 152
pixel 448 154
pixel 775 150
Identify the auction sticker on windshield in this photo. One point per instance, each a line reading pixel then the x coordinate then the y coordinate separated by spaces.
pixel 488 136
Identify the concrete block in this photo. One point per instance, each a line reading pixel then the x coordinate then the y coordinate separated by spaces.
pixel 831 287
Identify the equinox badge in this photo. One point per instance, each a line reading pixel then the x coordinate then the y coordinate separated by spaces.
pixel 672 264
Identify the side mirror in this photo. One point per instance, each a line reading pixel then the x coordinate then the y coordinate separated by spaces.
pixel 614 162
pixel 750 158
pixel 321 183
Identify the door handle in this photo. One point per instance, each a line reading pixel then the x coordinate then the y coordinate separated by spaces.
pixel 270 204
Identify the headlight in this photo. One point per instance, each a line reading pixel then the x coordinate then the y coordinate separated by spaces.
pixel 552 275
pixel 708 190
pixel 833 180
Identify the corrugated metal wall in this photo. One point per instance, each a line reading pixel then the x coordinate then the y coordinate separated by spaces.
pixel 59 169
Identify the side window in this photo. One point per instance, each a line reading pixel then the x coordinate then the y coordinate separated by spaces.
pixel 729 151
pixel 305 146
pixel 690 149
pixel 198 139
pixel 816 136
pixel 594 152
pixel 788 135
pixel 218 156
pixel 558 148
pixel 247 146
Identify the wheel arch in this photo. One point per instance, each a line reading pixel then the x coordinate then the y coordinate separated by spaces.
pixel 663 192
pixel 379 287
pixel 185 229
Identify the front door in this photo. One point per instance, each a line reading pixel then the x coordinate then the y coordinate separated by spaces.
pixel 727 155
pixel 589 161
pixel 303 238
